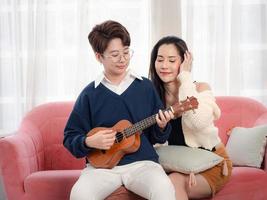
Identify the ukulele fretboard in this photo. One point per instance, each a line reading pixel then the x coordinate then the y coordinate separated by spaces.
pixel 137 127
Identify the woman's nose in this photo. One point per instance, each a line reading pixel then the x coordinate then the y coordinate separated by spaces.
pixel 164 65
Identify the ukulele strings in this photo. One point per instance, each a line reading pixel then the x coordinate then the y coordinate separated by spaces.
pixel 135 128
pixel 141 125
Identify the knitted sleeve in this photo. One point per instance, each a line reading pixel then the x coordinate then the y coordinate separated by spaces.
pixel 207 110
pixel 77 128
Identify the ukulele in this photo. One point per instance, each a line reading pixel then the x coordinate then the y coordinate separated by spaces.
pixel 127 139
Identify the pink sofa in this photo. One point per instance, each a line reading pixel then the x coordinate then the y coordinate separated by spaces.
pixel 35 165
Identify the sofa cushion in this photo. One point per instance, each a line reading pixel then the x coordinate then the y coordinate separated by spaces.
pixel 185 159
pixel 123 194
pixel 57 184
pixel 44 185
pixel 246 146
pixel 246 183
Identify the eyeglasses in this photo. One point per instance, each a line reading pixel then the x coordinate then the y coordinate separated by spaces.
pixel 116 55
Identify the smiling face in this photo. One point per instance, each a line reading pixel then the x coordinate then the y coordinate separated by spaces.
pixel 115 59
pixel 168 62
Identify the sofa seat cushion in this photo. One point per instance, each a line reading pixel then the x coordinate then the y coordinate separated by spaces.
pixel 123 194
pixel 44 185
pixel 246 183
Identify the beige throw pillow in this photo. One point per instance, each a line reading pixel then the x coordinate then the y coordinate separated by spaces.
pixel 246 146
pixel 186 159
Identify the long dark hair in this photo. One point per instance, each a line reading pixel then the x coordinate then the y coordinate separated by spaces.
pixel 181 48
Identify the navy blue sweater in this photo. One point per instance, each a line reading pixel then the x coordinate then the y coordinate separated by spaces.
pixel 100 107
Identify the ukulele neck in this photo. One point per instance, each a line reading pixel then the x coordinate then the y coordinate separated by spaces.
pixel 141 125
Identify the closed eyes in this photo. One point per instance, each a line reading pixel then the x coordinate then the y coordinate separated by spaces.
pixel 170 60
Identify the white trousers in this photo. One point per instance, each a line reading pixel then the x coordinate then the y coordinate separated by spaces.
pixel 145 178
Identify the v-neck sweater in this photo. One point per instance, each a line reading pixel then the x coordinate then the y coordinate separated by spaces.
pixel 100 107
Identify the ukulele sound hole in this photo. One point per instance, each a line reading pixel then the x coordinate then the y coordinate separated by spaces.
pixel 119 137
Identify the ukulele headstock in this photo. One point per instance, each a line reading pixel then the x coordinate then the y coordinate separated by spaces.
pixel 190 103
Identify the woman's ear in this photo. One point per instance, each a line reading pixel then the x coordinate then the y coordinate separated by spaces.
pixel 98 57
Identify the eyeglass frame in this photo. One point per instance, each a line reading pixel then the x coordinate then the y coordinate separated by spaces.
pixel 131 52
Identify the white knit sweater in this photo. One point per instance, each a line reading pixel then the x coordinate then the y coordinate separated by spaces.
pixel 199 129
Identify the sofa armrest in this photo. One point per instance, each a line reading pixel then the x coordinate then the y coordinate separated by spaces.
pixel 260 121
pixel 18 159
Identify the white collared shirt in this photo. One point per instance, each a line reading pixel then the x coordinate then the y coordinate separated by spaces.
pixel 124 84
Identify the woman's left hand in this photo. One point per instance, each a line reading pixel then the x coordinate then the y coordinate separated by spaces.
pixel 187 63
pixel 162 118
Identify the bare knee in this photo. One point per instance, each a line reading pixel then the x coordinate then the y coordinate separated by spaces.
pixel 201 189
pixel 178 179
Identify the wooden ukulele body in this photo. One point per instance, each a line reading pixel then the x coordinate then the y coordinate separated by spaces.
pixel 110 158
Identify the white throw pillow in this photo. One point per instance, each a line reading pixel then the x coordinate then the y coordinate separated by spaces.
pixel 246 146
pixel 186 159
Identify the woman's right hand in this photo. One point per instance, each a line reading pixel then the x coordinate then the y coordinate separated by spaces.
pixel 102 139
pixel 187 63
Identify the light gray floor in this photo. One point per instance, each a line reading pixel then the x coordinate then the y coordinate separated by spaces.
pixel 2 193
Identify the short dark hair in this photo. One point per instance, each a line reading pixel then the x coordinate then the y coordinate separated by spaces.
pixel 101 35
pixel 181 48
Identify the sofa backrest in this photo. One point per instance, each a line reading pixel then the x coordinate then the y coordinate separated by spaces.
pixel 238 111
pixel 45 124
